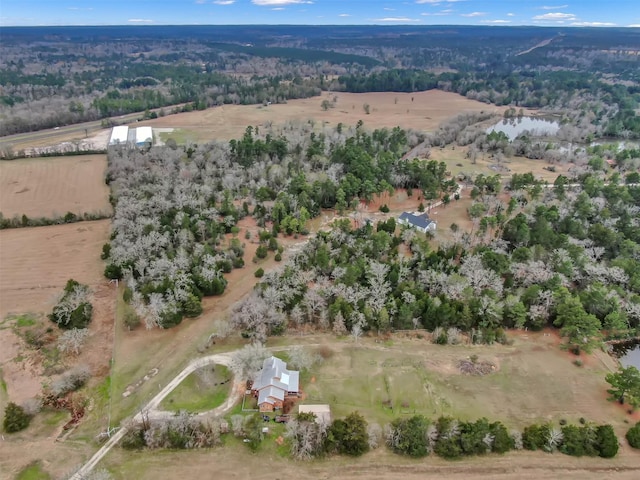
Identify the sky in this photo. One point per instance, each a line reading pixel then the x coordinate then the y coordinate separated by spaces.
pixel 596 13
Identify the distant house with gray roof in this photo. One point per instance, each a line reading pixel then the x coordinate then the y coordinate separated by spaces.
pixel 419 221
pixel 274 383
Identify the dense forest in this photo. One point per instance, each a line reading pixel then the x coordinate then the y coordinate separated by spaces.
pixel 565 254
pixel 76 74
pixel 174 206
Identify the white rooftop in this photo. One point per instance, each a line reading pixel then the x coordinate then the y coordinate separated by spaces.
pixel 119 134
pixel 144 134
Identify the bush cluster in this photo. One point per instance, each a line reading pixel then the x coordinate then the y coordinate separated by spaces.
pixel 73 310
pixel 450 438
pixel 577 441
pixel 633 436
pixel 15 418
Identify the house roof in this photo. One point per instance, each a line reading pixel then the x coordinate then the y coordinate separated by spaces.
pixel 274 373
pixel 269 395
pixel 420 221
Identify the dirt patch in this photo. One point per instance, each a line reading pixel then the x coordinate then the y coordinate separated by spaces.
pixel 238 463
pixel 421 111
pixel 35 263
pixel 53 186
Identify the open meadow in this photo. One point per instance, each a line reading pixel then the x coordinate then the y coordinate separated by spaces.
pixel 406 376
pixel 423 111
pixel 52 186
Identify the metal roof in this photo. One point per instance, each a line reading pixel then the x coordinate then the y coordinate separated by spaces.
pixel 275 376
pixel 144 135
pixel 119 134
pixel 420 221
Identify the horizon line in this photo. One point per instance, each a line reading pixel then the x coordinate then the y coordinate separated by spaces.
pixel 390 24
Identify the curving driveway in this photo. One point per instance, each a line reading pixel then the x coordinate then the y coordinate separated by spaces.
pixel 151 408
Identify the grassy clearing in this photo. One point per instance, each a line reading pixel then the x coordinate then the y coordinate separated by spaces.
pixel 25 320
pixel 201 391
pixel 33 471
pixel 411 377
pixel 53 418
pixel 179 135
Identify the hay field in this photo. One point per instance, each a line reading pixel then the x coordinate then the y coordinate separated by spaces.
pixel 420 111
pixel 35 263
pixel 53 186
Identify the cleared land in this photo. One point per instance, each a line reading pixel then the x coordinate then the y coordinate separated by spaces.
pixel 426 378
pixel 35 263
pixel 53 186
pixel 412 376
pixel 420 111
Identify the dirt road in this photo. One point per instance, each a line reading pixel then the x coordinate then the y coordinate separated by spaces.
pixel 151 408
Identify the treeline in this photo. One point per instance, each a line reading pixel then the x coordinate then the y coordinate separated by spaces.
pixel 518 88
pixel 24 221
pixel 414 436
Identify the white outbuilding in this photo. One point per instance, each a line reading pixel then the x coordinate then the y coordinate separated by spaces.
pixel 144 136
pixel 119 135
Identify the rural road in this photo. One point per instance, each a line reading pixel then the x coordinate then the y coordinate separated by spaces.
pixel 152 408
pixel 77 128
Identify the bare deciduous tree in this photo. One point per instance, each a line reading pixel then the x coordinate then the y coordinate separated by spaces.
pixel 247 361
pixel 72 341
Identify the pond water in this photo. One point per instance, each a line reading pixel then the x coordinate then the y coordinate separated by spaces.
pixel 512 127
pixel 629 354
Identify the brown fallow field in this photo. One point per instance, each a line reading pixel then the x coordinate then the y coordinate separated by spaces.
pixel 52 186
pixel 422 111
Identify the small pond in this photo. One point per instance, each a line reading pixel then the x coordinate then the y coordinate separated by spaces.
pixel 512 127
pixel 628 354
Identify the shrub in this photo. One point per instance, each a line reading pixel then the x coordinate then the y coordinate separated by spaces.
pixel 32 406
pixel 262 251
pixel 113 271
pixel 259 273
pixel 73 309
pixel 577 441
pixel 633 436
pixel 607 441
pixel 349 436
pixel 131 319
pixel 502 441
pixel 384 208
pixel 448 443
pixel 127 295
pixel 133 439
pixel 72 341
pixel 15 418
pixel 106 251
pixel 535 436
pixel 192 307
pixel 70 381
pixel 408 436
pixel 278 257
